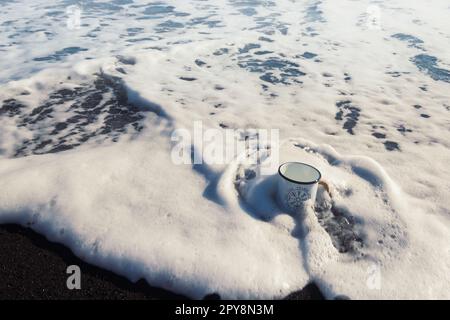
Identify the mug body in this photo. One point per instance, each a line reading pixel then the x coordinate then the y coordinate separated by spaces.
pixel 297 186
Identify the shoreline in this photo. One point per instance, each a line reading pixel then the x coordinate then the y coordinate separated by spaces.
pixel 32 267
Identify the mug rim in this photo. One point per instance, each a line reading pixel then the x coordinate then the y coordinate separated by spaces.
pixel 300 182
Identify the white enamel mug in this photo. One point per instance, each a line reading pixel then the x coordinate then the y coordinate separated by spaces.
pixel 297 186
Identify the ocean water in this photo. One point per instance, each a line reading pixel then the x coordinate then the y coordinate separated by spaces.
pixel 91 93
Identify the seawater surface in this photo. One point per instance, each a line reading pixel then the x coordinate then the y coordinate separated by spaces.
pixel 92 91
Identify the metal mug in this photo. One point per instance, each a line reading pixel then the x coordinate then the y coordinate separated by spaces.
pixel 297 186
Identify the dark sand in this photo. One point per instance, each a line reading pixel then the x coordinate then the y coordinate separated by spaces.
pixel 31 267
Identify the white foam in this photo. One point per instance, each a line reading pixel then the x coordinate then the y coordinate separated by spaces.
pixel 126 207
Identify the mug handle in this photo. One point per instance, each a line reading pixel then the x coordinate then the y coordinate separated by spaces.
pixel 327 187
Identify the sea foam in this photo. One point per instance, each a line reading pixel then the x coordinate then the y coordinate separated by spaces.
pixel 87 115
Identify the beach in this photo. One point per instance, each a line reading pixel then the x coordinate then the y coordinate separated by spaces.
pixel 33 268
pixel 142 141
